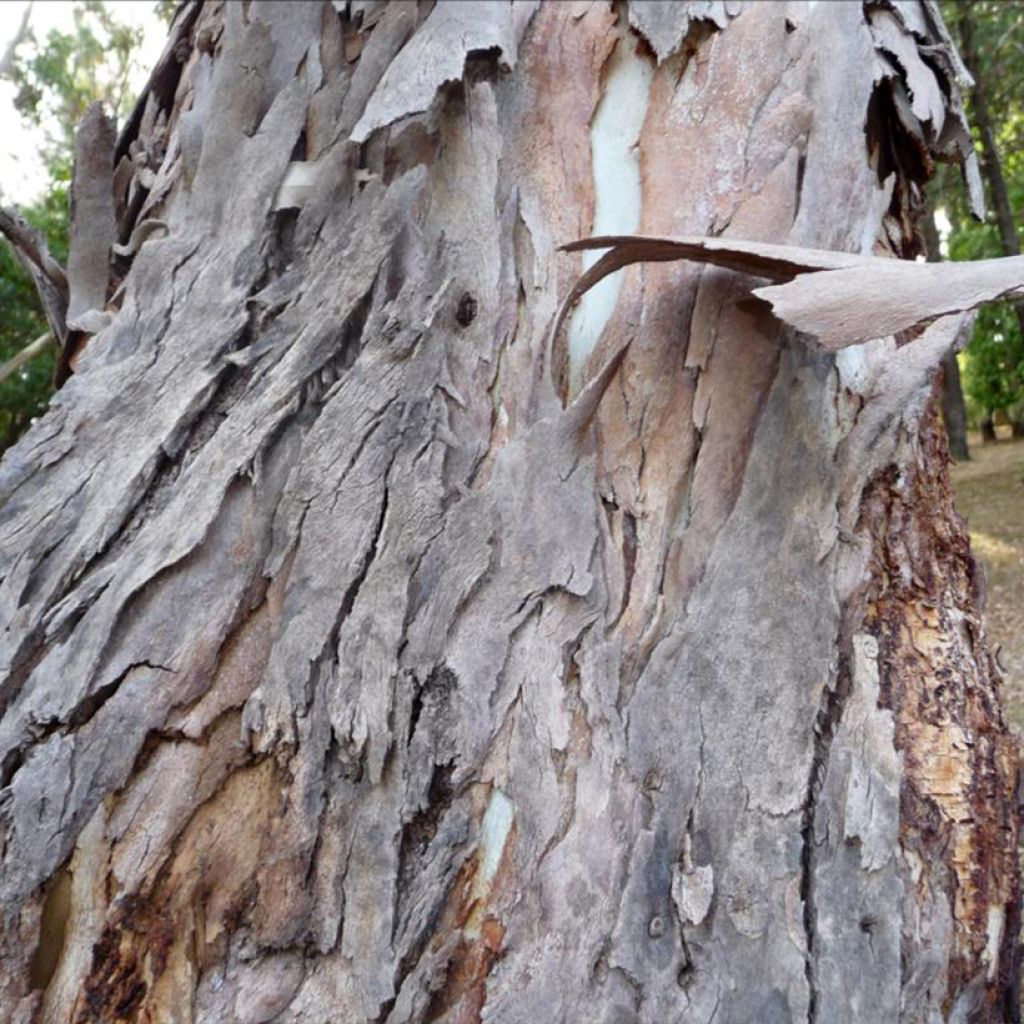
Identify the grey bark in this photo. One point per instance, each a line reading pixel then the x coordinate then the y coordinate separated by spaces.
pixel 358 666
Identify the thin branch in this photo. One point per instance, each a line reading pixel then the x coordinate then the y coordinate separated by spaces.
pixel 24 238
pixel 47 274
pixel 7 60
pixel 29 352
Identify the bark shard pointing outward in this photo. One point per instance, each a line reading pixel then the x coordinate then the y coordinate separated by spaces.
pixel 436 55
pixel 93 229
pixel 839 298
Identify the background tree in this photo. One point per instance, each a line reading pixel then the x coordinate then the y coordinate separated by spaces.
pixel 991 37
pixel 376 651
pixel 954 408
pixel 58 77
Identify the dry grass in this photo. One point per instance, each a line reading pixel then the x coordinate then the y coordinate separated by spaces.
pixel 990 496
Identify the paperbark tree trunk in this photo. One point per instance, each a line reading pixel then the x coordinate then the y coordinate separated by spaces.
pixel 373 655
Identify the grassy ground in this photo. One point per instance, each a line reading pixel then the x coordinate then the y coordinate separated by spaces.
pixel 990 496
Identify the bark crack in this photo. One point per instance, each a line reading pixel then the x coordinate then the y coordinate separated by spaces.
pixel 830 712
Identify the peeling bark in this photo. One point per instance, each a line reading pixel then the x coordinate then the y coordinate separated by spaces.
pixel 368 656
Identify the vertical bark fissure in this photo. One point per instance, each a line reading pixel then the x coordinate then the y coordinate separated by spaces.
pixel 826 722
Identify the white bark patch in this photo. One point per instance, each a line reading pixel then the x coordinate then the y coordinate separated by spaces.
pixel 692 889
pixel 614 134
pixel 298 185
pixel 994 939
pixel 494 832
pixel 871 812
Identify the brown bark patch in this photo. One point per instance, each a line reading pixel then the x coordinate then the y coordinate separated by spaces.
pixel 475 908
pixel 961 763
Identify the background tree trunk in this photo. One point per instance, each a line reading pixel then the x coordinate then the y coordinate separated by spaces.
pixel 992 168
pixel 371 655
pixel 954 408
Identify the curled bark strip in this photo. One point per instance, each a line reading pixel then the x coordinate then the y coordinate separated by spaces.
pixel 141 233
pixel 841 298
pixel 437 55
pixel 885 296
pixel 164 78
pixel 666 25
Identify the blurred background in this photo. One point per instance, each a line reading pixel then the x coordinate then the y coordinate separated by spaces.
pixel 55 59
pixel 58 57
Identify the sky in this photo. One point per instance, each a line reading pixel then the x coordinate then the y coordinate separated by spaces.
pixel 22 173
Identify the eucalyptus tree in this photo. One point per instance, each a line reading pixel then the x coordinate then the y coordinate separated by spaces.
pixel 400 628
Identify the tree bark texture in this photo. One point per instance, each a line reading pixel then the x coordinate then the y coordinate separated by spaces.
pixel 373 655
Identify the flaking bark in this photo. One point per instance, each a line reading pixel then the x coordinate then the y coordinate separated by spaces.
pixel 364 663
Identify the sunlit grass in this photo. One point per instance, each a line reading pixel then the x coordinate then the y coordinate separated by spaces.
pixel 990 495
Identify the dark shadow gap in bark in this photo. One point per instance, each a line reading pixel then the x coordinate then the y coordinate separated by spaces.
pixel 52 930
pixel 830 712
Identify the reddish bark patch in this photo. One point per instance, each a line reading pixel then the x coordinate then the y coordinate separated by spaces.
pixel 961 763
pixel 477 912
pixel 115 989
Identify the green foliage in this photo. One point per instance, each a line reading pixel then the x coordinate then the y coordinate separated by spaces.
pixel 59 77
pixel 166 9
pixel 993 364
pixel 24 394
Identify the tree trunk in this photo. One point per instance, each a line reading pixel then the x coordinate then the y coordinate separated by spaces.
pixel 373 655
pixel 988 429
pixel 991 164
pixel 992 168
pixel 954 408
